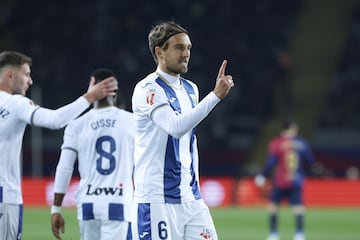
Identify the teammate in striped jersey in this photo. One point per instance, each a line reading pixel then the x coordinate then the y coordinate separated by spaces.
pixel 288 154
pixel 103 142
pixel 16 112
pixel 168 204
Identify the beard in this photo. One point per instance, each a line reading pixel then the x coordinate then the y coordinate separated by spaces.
pixel 177 69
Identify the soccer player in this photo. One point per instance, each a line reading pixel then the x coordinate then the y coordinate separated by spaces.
pixel 168 204
pixel 103 142
pixel 288 154
pixel 16 111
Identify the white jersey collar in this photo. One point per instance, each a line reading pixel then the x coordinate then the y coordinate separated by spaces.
pixel 169 79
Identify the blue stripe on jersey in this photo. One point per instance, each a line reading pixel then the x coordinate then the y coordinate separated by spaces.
pixel 144 221
pixel 1 194
pixel 172 168
pixel 87 211
pixel 116 211
pixel 129 233
pixel 172 171
pixel 21 209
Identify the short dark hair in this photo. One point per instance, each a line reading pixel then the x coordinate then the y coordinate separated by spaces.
pixel 102 73
pixel 161 32
pixel 288 123
pixel 13 58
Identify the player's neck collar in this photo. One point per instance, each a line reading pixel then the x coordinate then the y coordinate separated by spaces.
pixel 172 81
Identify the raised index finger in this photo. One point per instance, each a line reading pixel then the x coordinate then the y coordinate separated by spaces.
pixel 222 69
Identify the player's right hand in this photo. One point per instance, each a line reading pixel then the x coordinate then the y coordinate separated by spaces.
pixel 259 180
pixel 223 82
pixel 57 225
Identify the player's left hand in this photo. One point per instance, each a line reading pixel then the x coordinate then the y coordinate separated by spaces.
pixel 57 225
pixel 260 180
pixel 107 87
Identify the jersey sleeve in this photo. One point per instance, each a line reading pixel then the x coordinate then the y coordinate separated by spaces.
pixel 70 137
pixel 55 119
pixel 67 159
pixel 178 125
pixel 147 98
pixel 25 108
pixel 64 170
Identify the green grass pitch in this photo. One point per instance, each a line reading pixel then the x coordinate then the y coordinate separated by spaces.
pixel 232 223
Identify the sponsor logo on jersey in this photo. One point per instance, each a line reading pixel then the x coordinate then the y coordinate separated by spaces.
pixel 104 190
pixel 4 113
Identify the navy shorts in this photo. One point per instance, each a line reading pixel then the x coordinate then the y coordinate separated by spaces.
pixel 293 195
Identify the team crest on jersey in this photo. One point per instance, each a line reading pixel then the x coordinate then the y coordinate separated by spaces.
pixel 150 96
pixel 207 234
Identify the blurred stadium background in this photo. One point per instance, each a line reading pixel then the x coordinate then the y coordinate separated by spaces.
pixel 295 58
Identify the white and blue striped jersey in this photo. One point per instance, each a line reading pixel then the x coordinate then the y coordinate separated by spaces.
pixel 16 111
pixel 15 114
pixel 103 140
pixel 166 165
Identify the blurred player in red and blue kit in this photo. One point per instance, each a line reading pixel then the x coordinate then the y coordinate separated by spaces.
pixel 289 154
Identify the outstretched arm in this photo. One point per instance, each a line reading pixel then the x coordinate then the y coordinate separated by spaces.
pixel 178 125
pixel 58 118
